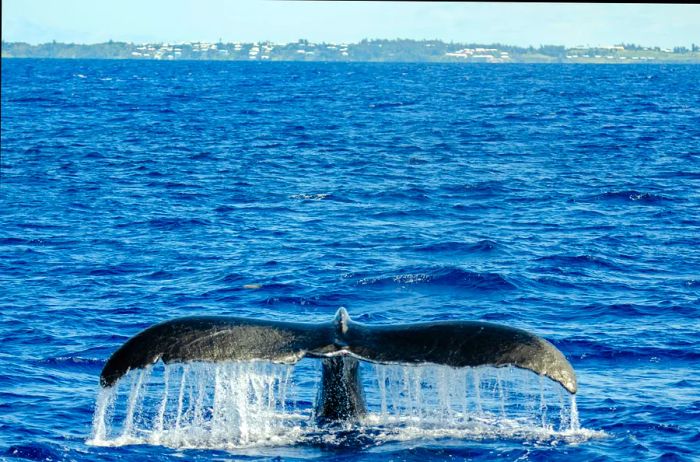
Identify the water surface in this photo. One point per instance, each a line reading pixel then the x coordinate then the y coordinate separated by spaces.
pixel 561 199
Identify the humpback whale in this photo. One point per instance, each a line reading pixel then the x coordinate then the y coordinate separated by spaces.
pixel 340 343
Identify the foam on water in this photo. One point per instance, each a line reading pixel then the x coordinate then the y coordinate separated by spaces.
pixel 254 404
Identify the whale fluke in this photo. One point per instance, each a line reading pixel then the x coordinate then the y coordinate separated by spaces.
pixel 340 342
pixel 215 338
pixel 461 344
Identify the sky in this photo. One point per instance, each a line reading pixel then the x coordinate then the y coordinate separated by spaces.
pixel 523 24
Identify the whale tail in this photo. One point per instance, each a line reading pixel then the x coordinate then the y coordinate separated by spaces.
pixel 340 342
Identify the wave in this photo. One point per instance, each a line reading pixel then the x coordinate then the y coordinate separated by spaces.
pixel 476 208
pixel 391 104
pixel 160 275
pixel 621 310
pixel 176 223
pixel 630 196
pixel 594 351
pixel 311 197
pixel 34 451
pixel 32 99
pixel 72 362
pixel 483 246
pixel 398 195
pixel 38 226
pixel 331 300
pixel 482 189
pixel 237 283
pixel 578 261
pixel 232 277
pixel 440 277
pixel 172 185
pixel 14 241
pixel 116 270
pixel 557 283
pixel 403 214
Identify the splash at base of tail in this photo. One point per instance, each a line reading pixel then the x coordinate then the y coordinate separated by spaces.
pixel 340 343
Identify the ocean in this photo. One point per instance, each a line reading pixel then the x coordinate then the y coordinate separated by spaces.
pixel 560 199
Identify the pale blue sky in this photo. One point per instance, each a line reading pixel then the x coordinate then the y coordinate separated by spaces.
pixel 92 21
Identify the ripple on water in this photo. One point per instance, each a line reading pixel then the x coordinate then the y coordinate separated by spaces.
pixel 440 277
pixel 483 246
pixel 631 197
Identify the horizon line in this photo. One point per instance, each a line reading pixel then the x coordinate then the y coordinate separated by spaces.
pixel 300 40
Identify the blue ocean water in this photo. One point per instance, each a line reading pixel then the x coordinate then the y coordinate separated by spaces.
pixel 561 199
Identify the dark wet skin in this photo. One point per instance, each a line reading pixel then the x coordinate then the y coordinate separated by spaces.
pixel 339 344
pixel 340 396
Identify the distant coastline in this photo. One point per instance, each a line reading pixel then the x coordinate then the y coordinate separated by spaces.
pixel 363 51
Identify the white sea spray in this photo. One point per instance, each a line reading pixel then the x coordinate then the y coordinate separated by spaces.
pixel 255 404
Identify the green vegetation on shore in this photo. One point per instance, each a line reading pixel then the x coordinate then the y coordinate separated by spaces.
pixel 364 51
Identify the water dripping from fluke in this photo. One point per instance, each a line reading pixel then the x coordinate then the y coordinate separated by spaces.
pixel 237 405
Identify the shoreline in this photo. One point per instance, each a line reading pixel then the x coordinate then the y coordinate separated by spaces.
pixel 456 63
pixel 365 51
